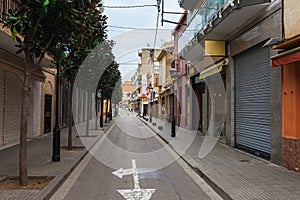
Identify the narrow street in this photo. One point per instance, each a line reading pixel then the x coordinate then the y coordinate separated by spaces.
pixel 150 100
pixel 138 163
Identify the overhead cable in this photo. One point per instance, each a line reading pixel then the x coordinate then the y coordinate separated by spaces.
pixel 137 28
pixel 134 6
pixel 157 20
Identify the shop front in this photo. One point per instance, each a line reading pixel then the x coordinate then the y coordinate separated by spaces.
pixel 290 62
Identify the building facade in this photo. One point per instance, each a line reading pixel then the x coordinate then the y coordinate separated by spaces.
pixel 224 44
pixel 165 59
pixel 42 83
pixel 287 60
pixel 127 89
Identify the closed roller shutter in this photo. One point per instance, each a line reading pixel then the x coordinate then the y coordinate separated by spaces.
pixel 252 101
pixel 13 102
pixel 2 81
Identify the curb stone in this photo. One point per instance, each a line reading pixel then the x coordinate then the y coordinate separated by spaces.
pixel 188 160
pixel 53 186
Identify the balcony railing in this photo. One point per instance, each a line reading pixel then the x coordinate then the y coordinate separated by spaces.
pixel 201 20
pixel 5 5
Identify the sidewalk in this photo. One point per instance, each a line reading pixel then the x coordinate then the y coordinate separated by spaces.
pixel 39 152
pixel 232 173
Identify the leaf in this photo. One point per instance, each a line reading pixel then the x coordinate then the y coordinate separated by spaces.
pixel 19 40
pixel 20 50
pixel 19 46
pixel 14 33
pixel 46 3
pixel 45 9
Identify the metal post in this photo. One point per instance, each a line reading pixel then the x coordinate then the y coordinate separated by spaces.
pixel 173 133
pixel 151 99
pixel 173 73
pixel 139 110
pixel 101 112
pixel 56 131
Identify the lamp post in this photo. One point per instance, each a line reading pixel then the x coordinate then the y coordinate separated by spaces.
pixel 151 99
pixel 98 103
pixel 56 131
pixel 173 72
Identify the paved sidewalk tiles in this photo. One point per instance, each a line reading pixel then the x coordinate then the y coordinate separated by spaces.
pixel 39 152
pixel 232 173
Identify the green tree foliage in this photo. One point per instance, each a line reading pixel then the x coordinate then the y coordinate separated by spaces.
pixel 88 33
pixel 109 80
pixel 117 93
pixel 51 26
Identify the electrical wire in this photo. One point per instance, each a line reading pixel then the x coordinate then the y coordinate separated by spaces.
pixel 156 29
pixel 144 29
pixel 137 28
pixel 129 62
pixel 134 6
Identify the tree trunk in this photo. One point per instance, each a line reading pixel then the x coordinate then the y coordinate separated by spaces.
pixel 96 110
pixel 23 130
pixel 88 116
pixel 106 108
pixel 23 174
pixel 70 138
pixel 101 112
pixel 110 110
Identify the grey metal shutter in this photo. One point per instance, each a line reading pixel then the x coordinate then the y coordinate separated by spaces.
pixel 13 102
pixel 2 81
pixel 252 100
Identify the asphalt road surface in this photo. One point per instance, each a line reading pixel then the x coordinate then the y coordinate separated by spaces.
pixel 131 162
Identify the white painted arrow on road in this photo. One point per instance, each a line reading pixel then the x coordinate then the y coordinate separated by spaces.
pixel 123 172
pixel 137 193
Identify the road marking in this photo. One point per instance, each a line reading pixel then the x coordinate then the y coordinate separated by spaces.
pixel 123 172
pixel 137 193
pixel 135 176
pixel 61 193
pixel 199 181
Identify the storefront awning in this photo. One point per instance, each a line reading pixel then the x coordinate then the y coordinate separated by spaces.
pixel 211 70
pixel 286 57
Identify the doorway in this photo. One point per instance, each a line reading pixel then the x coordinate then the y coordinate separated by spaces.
pixel 47 113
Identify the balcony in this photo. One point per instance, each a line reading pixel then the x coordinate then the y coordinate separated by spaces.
pixel 189 4
pixel 217 19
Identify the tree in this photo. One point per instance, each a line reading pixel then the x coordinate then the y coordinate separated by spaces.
pixel 109 82
pixel 40 27
pixel 117 93
pixel 87 34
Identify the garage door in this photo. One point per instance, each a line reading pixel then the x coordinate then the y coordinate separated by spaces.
pixel 252 101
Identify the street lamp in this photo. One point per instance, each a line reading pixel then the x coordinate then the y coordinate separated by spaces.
pixel 173 73
pixel 56 131
pixel 151 99
pixel 99 106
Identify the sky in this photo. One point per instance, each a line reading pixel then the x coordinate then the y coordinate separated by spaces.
pixel 144 19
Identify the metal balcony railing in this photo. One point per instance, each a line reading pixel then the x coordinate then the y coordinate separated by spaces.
pixel 200 20
pixel 5 5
